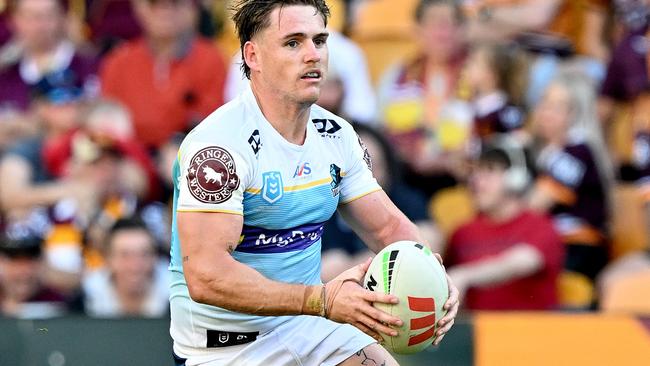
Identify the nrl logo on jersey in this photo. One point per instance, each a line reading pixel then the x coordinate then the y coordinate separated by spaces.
pixel 272 187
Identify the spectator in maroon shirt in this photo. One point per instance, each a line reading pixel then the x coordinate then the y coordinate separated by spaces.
pixel 43 48
pixel 508 257
pixel 22 293
pixel 627 81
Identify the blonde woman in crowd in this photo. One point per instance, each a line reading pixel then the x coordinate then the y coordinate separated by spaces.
pixel 575 174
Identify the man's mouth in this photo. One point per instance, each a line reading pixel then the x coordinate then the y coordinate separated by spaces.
pixel 311 75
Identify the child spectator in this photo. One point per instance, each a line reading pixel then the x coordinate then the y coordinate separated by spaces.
pixel 494 74
pixel 508 257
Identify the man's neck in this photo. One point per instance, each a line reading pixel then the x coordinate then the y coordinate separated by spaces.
pixel 506 210
pixel 131 301
pixel 288 117
pixel 42 56
pixel 164 48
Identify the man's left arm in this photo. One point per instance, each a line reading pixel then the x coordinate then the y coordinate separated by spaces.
pixel 379 223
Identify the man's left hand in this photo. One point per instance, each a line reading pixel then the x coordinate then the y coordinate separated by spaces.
pixel 451 306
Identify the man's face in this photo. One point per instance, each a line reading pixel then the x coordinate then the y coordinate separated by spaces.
pixel 291 54
pixel 438 31
pixel 20 277
pixel 38 23
pixel 165 19
pixel 132 259
pixel 487 185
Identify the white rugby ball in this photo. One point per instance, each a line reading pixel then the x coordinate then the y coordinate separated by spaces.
pixel 411 272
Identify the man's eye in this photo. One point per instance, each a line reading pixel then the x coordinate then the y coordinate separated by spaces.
pixel 319 42
pixel 292 44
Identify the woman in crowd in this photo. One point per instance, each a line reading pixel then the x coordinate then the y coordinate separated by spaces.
pixel 575 177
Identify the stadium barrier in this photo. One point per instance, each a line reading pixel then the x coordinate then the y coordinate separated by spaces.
pixel 484 339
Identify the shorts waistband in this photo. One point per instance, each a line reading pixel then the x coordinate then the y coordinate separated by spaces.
pixel 221 338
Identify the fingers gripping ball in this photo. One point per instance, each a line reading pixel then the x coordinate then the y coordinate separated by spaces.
pixel 411 272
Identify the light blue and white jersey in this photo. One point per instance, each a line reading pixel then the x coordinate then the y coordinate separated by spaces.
pixel 236 162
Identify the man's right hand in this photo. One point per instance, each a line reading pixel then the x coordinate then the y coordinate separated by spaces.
pixel 348 302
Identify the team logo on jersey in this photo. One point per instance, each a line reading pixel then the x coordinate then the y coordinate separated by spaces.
pixel 272 187
pixel 212 176
pixel 326 127
pixel 255 142
pixel 335 173
pixel 366 154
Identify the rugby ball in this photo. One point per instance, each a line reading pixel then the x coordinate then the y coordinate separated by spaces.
pixel 410 271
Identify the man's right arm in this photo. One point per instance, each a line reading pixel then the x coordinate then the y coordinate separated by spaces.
pixel 215 278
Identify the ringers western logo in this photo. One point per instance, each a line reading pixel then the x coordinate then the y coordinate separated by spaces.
pixel 212 176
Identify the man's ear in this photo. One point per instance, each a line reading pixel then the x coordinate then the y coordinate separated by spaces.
pixel 251 56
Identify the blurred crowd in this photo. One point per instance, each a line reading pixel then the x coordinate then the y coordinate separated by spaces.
pixel 514 133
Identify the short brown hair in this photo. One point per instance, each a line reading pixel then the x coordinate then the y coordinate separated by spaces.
pixel 252 16
pixel 423 5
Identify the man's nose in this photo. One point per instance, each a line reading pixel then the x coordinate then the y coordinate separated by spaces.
pixel 312 54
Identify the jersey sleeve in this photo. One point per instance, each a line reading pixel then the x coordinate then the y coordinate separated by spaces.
pixel 213 176
pixel 358 180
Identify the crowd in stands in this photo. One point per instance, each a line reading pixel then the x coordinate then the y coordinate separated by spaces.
pixel 514 133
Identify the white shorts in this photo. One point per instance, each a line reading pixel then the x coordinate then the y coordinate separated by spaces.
pixel 303 340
